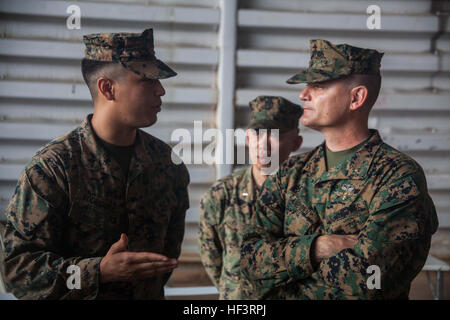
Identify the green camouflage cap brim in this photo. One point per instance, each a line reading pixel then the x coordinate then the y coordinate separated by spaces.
pixel 329 61
pixel 314 75
pixel 274 113
pixel 154 70
pixel 134 51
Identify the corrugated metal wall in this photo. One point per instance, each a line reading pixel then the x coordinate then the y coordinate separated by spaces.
pixel 413 110
pixel 42 94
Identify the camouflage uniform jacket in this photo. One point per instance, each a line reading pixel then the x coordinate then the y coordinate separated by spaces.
pixel 226 209
pixel 68 209
pixel 380 194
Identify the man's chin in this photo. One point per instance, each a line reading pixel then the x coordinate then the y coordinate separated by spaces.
pixel 309 124
pixel 306 122
pixel 147 122
pixel 262 166
pixel 268 170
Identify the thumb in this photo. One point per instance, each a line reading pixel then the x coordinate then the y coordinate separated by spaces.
pixel 120 245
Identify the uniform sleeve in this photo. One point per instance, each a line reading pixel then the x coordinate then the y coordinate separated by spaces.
pixel 33 266
pixel 211 206
pixel 269 257
pixel 175 231
pixel 396 238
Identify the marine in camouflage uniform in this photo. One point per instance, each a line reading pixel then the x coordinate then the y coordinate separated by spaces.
pixel 228 206
pixel 378 194
pixel 73 201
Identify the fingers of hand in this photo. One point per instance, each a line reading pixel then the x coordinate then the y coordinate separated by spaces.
pixel 119 246
pixel 338 243
pixel 348 243
pixel 145 257
pixel 153 273
pixel 329 245
pixel 352 239
pixel 152 267
pixel 147 270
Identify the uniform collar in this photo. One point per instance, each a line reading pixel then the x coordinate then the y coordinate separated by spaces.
pixel 355 168
pixel 95 157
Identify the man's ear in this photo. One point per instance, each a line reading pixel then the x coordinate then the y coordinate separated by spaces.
pixel 358 97
pixel 106 88
pixel 297 143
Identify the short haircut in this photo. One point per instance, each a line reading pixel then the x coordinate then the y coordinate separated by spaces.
pixel 93 69
pixel 371 82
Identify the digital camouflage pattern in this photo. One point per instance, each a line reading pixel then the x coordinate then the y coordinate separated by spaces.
pixel 133 51
pixel 226 210
pixel 329 61
pixel 274 113
pixel 379 194
pixel 70 206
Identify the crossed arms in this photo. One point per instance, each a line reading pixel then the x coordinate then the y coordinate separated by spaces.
pixel 283 246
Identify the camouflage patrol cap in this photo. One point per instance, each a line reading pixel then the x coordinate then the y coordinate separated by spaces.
pixel 134 51
pixel 329 61
pixel 274 113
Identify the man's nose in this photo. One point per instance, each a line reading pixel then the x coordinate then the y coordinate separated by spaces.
pixel 160 89
pixel 304 94
pixel 264 144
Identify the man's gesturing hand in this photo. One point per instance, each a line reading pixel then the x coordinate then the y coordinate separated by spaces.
pixel 122 265
pixel 328 245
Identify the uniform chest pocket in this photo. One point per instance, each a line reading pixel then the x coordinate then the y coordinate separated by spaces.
pixel 89 212
pixel 154 216
pixel 299 218
pixel 346 211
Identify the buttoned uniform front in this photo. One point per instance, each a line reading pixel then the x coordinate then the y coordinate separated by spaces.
pixel 226 209
pixel 379 194
pixel 69 207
